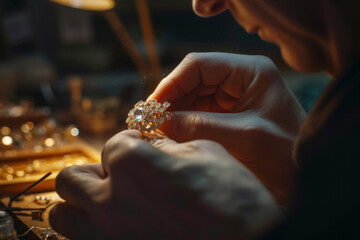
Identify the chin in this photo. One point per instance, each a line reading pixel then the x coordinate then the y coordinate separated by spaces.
pixel 302 61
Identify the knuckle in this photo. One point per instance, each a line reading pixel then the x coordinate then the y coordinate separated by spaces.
pixel 65 177
pixel 266 67
pixel 264 60
pixel 193 57
pixel 132 151
pixel 204 145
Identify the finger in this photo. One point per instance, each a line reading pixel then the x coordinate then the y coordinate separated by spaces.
pixel 215 107
pixel 118 140
pixel 196 68
pixel 129 145
pixel 188 125
pixel 203 103
pixel 191 125
pixel 224 100
pixel 79 185
pixel 186 102
pixel 204 90
pixel 73 223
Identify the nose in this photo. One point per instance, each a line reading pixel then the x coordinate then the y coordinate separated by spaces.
pixel 208 8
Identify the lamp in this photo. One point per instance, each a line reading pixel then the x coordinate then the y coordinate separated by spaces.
pixel 106 7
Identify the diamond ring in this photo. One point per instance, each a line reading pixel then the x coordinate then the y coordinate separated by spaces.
pixel 148 116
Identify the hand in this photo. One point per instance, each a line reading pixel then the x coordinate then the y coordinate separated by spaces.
pixel 193 190
pixel 242 103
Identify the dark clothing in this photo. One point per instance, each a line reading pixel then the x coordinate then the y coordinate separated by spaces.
pixel 327 202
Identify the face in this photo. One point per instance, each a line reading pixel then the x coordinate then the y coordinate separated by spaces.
pixel 289 24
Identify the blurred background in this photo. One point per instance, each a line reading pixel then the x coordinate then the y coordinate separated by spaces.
pixel 87 64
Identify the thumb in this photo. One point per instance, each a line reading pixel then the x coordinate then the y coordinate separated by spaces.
pixel 191 125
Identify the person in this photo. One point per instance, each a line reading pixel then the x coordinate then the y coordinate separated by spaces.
pixel 242 160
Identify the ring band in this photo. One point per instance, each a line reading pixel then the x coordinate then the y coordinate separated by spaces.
pixel 148 116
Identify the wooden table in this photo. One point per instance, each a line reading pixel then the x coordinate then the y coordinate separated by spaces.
pixel 24 220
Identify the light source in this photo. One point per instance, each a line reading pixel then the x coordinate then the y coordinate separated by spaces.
pixel 106 7
pixel 91 5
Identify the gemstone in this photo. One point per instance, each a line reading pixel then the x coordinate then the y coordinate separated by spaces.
pixel 161 120
pixel 139 114
pixel 166 104
pixel 139 104
pixel 167 115
pixel 131 112
pixel 161 110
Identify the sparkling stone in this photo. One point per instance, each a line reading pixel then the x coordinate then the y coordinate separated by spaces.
pixel 152 101
pixel 158 105
pixel 155 120
pixel 139 104
pixel 139 114
pixel 161 110
pixel 167 115
pixel 161 120
pixel 131 113
pixel 166 104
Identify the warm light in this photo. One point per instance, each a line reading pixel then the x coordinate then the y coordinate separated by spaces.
pixel 26 127
pixel 92 5
pixel 7 140
pixel 36 164
pixel 20 173
pixel 5 130
pixel 49 142
pixel 10 170
pixel 74 132
pixel 86 104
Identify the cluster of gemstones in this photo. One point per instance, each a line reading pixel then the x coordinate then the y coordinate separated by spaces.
pixel 148 116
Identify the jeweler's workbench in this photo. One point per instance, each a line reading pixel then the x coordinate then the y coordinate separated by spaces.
pixel 27 219
pixel 34 222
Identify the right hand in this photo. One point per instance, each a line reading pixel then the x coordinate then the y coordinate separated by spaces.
pixel 242 103
pixel 159 189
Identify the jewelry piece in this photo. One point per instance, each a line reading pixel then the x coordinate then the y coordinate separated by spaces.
pixel 50 236
pixel 148 116
pixel 31 228
pixel 42 200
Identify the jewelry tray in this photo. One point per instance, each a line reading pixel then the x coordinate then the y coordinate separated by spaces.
pixel 21 168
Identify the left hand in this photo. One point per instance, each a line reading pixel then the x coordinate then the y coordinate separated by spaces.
pixel 192 190
pixel 241 102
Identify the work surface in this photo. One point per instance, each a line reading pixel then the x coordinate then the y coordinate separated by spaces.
pixel 25 220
